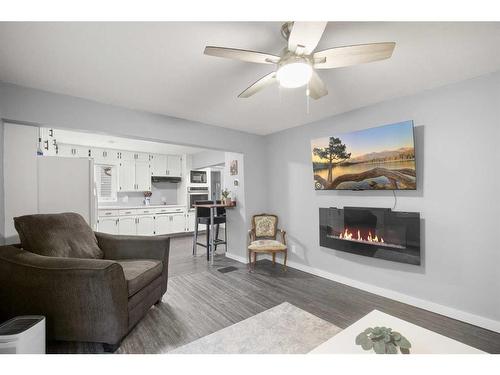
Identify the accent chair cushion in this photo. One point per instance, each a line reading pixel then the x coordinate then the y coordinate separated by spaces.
pixel 265 225
pixel 64 235
pixel 266 245
pixel 140 273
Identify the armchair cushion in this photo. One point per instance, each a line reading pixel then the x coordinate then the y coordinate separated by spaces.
pixel 58 235
pixel 140 273
pixel 266 245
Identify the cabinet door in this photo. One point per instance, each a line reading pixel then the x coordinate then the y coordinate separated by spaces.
pixel 174 165
pixel 162 224
pixel 126 175
pixel 81 151
pixel 108 225
pixel 65 150
pixel 158 165
pixel 128 225
pixel 145 225
pixel 142 176
pixel 178 223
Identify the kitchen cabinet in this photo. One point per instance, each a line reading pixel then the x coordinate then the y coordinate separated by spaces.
pixel 134 172
pixel 162 224
pixel 108 225
pixel 158 165
pixel 145 225
pixel 142 176
pixel 128 225
pixel 177 223
pixel 174 165
pixel 170 223
pixel 104 156
pixel 73 151
pixel 166 165
pixel 126 174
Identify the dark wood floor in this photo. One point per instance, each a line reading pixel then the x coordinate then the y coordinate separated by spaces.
pixel 200 300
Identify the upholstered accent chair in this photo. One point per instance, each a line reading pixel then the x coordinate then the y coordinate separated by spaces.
pixel 264 239
pixel 91 287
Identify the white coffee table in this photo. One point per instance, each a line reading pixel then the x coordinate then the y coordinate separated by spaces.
pixel 422 340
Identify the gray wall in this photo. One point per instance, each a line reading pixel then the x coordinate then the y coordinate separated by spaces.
pixel 208 158
pixel 457 140
pixel 35 106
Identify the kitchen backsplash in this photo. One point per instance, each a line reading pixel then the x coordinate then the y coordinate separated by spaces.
pixel 162 193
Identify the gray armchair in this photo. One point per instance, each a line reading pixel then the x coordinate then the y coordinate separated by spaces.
pixel 90 286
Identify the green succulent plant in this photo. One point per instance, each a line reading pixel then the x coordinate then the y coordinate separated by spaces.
pixel 383 341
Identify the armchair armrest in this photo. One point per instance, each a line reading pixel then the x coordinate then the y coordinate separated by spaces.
pixel 118 247
pixel 133 247
pixel 283 236
pixel 82 299
pixel 251 235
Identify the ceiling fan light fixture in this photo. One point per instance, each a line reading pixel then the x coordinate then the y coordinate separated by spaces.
pixel 295 74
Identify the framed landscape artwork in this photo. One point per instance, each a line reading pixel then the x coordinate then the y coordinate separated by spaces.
pixel 381 158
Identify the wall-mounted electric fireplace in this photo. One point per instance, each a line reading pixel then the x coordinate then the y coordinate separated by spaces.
pixel 374 232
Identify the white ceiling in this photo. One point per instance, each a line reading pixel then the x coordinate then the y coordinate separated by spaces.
pixel 160 67
pixel 121 143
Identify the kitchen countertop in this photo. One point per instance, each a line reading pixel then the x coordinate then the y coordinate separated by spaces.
pixel 141 206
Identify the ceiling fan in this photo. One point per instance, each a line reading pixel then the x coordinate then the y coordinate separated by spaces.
pixel 296 65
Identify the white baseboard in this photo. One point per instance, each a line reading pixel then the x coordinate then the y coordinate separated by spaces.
pixel 237 258
pixel 450 312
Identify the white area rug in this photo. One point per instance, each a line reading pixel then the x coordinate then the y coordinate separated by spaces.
pixel 283 329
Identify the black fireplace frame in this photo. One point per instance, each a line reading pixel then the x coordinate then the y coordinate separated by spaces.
pixel 332 219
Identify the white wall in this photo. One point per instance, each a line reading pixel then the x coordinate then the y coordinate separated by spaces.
pixel 20 173
pixel 60 111
pixel 207 158
pixel 457 147
pixel 236 214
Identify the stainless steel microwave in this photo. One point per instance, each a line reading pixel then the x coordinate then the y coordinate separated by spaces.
pixel 198 177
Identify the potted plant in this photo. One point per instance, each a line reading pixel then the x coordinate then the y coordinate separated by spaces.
pixel 225 197
pixel 383 341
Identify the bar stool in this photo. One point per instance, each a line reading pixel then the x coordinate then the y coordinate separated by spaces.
pixel 203 217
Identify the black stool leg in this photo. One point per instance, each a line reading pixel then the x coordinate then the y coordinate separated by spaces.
pixel 208 242
pixel 216 235
pixel 195 236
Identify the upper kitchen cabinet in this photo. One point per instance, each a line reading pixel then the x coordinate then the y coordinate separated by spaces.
pixel 104 156
pixel 174 165
pixel 134 172
pixel 74 151
pixel 166 165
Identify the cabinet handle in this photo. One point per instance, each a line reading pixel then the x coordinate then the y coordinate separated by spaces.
pixel 51 132
pixel 46 144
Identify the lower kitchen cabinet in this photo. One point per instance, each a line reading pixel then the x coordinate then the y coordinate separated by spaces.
pixel 170 223
pixel 108 225
pixel 128 225
pixel 145 225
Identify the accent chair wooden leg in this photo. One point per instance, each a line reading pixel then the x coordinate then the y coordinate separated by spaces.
pixel 274 258
pixel 254 259
pixel 249 260
pixel 284 260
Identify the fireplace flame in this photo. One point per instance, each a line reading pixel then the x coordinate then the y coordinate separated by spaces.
pixel 348 235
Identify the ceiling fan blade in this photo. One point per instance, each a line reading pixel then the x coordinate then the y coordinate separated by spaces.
pixel 241 54
pixel 317 88
pixel 259 85
pixel 305 36
pixel 353 55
